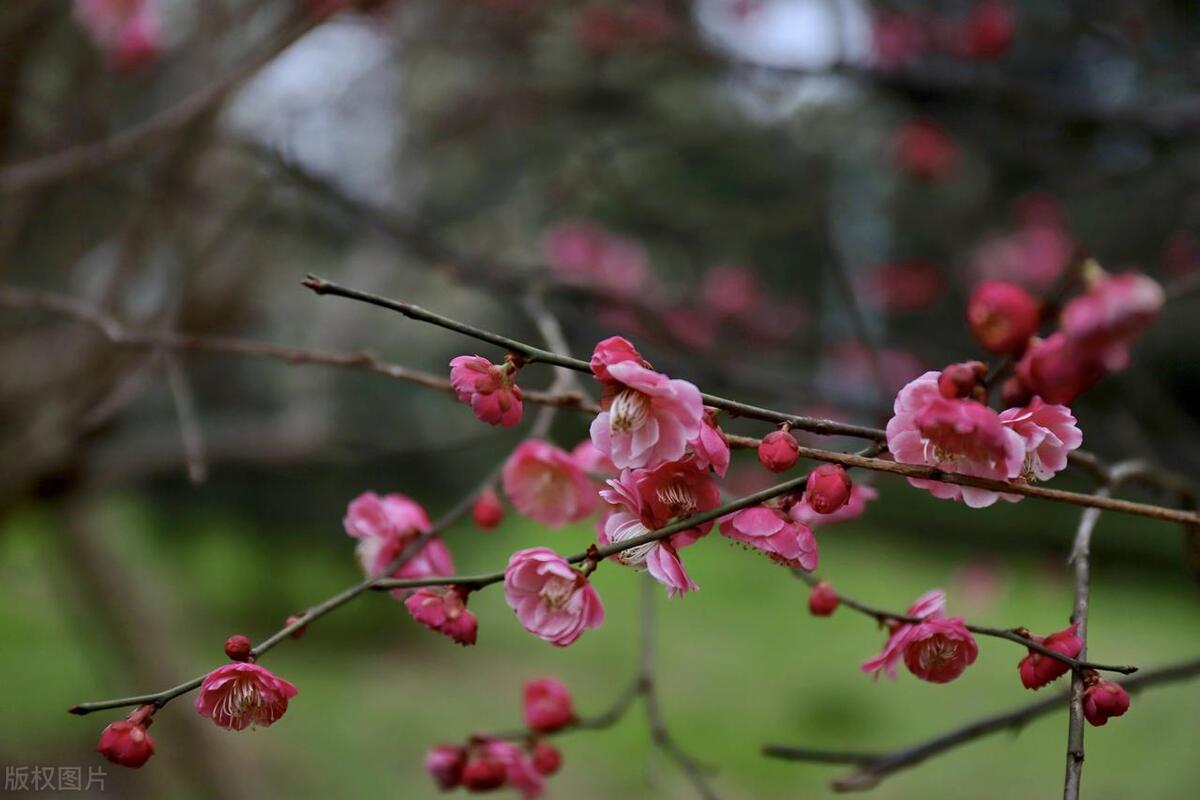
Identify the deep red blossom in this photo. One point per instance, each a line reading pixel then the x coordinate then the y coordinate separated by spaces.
pixel 1002 316
pixel 1103 699
pixel 822 600
pixel 546 758
pixel 778 451
pixel 239 695
pixel 828 488
pixel 1057 369
pixel 546 705
pixel 1038 669
pixel 938 650
pixel 482 773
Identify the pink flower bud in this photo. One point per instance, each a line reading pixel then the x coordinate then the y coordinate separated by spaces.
pixel 238 648
pixel 1002 316
pixel 828 488
pixel 1103 699
pixel 546 758
pixel 444 609
pixel 546 705
pixel 483 774
pixel 961 380
pixel 444 764
pixel 778 451
pixel 822 600
pixel 488 511
pixel 1038 669
pixel 126 742
pixel 488 388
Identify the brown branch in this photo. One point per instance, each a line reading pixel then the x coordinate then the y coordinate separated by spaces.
pixel 1013 635
pixel 160 127
pixel 876 767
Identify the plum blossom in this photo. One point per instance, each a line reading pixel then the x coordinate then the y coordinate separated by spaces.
pixel 778 451
pixel 822 600
pixel 126 742
pixel 1103 699
pixel 1002 316
pixel 960 436
pixel 860 495
pixel 444 609
pixel 769 530
pixel 545 758
pixel 939 649
pixel 647 418
pixel 545 483
pixel 546 705
pixel 444 764
pixel 1038 669
pixel 647 500
pixel 385 526
pixel 592 461
pixel 242 694
pixel 552 599
pixel 730 291
pixel 1057 369
pixel 489 389
pixel 584 254
pixel 482 773
pixel 519 771
pixel 1116 308
pixel 931 605
pixel 710 448
pixel 1050 434
pixel 828 488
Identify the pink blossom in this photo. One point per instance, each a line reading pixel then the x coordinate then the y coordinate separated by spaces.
pixel 444 609
pixel 691 327
pixel 1002 316
pixel 126 742
pixel 710 447
pixel 648 418
pixel 822 600
pixel 552 599
pixel 584 254
pixel 860 495
pixel 444 764
pixel 488 388
pixel 1115 309
pixel 1057 369
pixel 929 606
pixel 1103 699
pixel 1037 669
pixel 849 366
pixel 904 285
pixel 546 705
pixel 614 350
pixel 939 649
pixel 487 511
pixel 828 488
pixel 778 451
pixel 385 527
pixel 960 436
pixel 520 773
pixel 1050 434
pixel 592 461
pixel 1033 255
pixel 242 694
pixel 785 542
pixel 647 500
pixel 545 484
pixel 730 291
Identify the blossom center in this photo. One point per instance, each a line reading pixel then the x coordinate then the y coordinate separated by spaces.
pixel 678 497
pixel 937 652
pixel 242 700
pixel 556 592
pixel 629 411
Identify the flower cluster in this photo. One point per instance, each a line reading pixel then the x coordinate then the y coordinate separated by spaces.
pixel 385 526
pixel 489 763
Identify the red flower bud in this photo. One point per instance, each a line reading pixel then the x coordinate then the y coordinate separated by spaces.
pixel 482 774
pixel 546 758
pixel 296 634
pixel 988 30
pixel 960 380
pixel 126 742
pixel 1103 699
pixel 444 764
pixel 1038 669
pixel 828 488
pixel 822 600
pixel 546 705
pixel 778 451
pixel 1002 316
pixel 488 511
pixel 238 648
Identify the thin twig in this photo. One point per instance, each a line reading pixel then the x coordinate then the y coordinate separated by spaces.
pixel 876 767
pixel 1008 634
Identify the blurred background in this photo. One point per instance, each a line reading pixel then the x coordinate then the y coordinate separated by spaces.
pixel 783 201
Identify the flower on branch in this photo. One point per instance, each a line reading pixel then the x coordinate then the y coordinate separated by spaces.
pixel 552 599
pixel 385 526
pixel 856 504
pixel 1038 669
pixel 546 484
pixel 771 531
pixel 126 742
pixel 1103 699
pixel 546 705
pixel 444 609
pixel 489 389
pixel 931 605
pixel 242 694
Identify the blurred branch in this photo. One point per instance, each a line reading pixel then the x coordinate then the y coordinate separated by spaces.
pixel 875 767
pixel 146 135
pixel 189 423
pixel 1014 635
